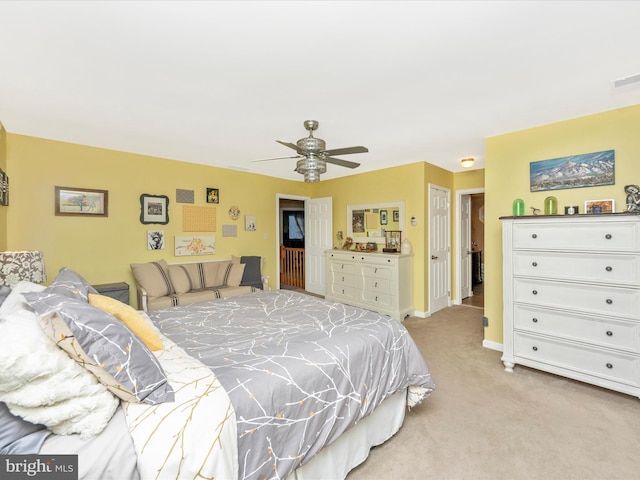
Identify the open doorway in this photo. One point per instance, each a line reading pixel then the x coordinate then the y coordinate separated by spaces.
pixel 470 251
pixel 291 244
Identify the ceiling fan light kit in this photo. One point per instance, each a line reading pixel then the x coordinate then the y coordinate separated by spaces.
pixel 313 157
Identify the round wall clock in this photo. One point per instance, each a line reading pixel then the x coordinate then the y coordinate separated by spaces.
pixel 234 213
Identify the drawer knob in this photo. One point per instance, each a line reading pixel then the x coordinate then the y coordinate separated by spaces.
pixel 534 320
pixel 609 333
pixel 609 301
pixel 535 349
pixel 609 365
pixel 608 269
pixel 535 264
pixel 608 236
pixel 534 235
pixel 535 292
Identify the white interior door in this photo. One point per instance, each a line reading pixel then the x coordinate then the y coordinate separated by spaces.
pixel 318 220
pixel 439 248
pixel 466 286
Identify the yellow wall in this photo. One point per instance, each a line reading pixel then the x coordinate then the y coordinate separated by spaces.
pixel 507 178
pixel 101 249
pixel 407 183
pixel 3 209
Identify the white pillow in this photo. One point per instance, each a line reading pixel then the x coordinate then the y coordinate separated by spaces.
pixel 39 382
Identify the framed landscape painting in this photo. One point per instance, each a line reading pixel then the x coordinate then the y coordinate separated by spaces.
pixel 584 170
pixel 86 202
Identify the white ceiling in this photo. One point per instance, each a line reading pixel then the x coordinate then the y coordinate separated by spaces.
pixel 218 82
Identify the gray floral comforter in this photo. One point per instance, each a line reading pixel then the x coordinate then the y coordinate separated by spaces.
pixel 299 370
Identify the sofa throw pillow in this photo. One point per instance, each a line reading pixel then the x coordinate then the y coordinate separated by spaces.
pixel 109 344
pixel 181 279
pixel 233 274
pixel 39 382
pixel 130 317
pixel 252 275
pixel 153 277
pixel 71 284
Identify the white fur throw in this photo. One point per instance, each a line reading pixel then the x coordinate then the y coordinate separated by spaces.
pixel 41 383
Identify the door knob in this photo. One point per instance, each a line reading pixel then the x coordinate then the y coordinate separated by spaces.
pixel 433 257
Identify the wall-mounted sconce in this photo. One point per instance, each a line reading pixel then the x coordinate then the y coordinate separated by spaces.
pixel 414 221
pixel 467 162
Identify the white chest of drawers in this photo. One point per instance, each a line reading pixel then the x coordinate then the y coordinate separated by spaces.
pixel 572 297
pixel 376 281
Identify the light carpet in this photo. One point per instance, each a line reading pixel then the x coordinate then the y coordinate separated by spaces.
pixel 484 423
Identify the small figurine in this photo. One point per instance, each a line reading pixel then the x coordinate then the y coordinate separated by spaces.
pixel 633 198
pixel 535 211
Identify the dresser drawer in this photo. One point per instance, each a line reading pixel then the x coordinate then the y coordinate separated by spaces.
pixel 598 236
pixel 610 365
pixel 607 300
pixel 342 292
pixel 603 331
pixel 378 299
pixel 376 272
pixel 340 267
pixel 343 279
pixel 585 267
pixel 373 284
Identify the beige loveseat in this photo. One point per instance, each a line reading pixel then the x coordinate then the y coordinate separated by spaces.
pixel 161 284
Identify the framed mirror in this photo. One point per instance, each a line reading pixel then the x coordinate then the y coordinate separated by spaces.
pixel 367 222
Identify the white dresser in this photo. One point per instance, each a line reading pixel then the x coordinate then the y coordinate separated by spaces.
pixel 572 297
pixel 371 280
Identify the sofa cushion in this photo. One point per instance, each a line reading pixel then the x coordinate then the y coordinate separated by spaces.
pixel 153 277
pixel 233 275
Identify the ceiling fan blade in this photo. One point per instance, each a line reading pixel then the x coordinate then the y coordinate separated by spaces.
pixel 301 151
pixel 345 151
pixel 276 158
pixel 342 163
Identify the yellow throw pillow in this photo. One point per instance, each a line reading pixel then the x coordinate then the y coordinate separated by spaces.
pixel 130 317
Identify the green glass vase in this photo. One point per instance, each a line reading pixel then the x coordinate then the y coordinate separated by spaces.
pixel 551 206
pixel 518 207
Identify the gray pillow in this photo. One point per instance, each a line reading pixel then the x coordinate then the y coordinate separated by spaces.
pixel 252 275
pixel 107 344
pixel 19 437
pixel 70 284
pixel 4 293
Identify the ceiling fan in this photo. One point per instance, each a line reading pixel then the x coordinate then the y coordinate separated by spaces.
pixel 313 156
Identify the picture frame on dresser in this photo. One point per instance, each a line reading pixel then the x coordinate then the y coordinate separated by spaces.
pixel 599 206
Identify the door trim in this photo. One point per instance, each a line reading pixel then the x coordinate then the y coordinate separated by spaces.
pixel 459 194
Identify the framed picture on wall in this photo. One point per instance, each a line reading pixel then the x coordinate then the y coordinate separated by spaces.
pixel 83 202
pixel 154 209
pixel 4 188
pixel 213 195
pixel 384 220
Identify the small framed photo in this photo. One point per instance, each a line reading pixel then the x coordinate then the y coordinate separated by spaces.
pixel 85 202
pixel 154 209
pixel 155 239
pixel 384 220
pixel 599 206
pixel 213 195
pixel 250 223
pixel 4 188
pixel 396 216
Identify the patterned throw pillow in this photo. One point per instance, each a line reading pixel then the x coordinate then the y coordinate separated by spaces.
pixel 104 345
pixel 70 284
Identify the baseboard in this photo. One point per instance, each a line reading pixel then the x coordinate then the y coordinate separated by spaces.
pixel 492 345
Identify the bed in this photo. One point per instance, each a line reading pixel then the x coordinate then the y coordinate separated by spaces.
pixel 273 384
